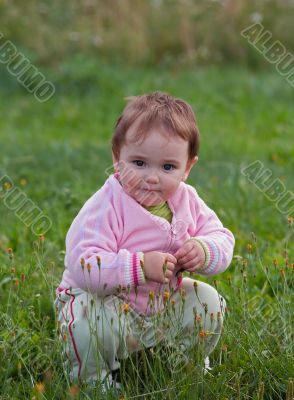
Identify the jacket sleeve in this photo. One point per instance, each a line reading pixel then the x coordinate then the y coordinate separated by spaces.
pixel 92 255
pixel 218 242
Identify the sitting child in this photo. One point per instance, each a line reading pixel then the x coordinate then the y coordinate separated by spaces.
pixel 129 244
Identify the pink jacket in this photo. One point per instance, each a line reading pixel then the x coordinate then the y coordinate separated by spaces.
pixel 107 239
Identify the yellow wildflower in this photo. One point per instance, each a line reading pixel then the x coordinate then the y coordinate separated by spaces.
pixel 125 308
pixel 74 391
pixel 166 296
pixel 23 182
pixel 151 295
pixel 40 387
pixel 211 317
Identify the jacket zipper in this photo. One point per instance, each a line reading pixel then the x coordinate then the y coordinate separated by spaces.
pixel 172 232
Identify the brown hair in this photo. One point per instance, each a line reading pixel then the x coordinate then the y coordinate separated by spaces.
pixel 173 114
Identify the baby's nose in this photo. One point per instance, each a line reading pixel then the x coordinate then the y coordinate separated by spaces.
pixel 152 178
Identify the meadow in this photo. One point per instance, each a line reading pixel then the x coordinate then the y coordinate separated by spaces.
pixel 58 153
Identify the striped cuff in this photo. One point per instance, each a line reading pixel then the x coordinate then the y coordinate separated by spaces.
pixel 134 273
pixel 211 255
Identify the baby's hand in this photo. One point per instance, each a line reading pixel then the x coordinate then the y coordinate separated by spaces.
pixel 154 270
pixel 190 256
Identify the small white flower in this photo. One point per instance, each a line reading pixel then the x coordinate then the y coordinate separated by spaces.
pixel 97 40
pixel 74 36
pixel 256 17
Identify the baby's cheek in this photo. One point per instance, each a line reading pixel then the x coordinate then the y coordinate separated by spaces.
pixel 129 180
pixel 133 179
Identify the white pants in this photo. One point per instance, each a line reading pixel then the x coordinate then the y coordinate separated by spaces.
pixel 97 332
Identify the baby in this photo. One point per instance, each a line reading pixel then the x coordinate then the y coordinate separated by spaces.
pixel 129 244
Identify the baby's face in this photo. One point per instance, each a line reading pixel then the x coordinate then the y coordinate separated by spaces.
pixel 151 171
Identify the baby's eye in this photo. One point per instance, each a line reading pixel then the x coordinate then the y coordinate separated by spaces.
pixel 139 163
pixel 168 167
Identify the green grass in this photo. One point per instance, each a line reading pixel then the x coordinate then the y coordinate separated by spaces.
pixel 57 152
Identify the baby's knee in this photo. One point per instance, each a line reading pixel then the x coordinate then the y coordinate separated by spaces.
pixel 218 303
pixel 209 299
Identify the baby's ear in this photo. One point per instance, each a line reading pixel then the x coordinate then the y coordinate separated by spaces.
pixel 189 166
pixel 115 161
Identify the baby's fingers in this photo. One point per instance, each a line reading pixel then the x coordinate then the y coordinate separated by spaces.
pixel 167 276
pixel 188 257
pixel 183 251
pixel 168 269
pixel 170 266
pixel 170 258
pixel 195 267
pixel 190 265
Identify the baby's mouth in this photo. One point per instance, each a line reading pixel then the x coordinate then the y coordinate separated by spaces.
pixel 144 194
pixel 150 190
pixel 150 193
